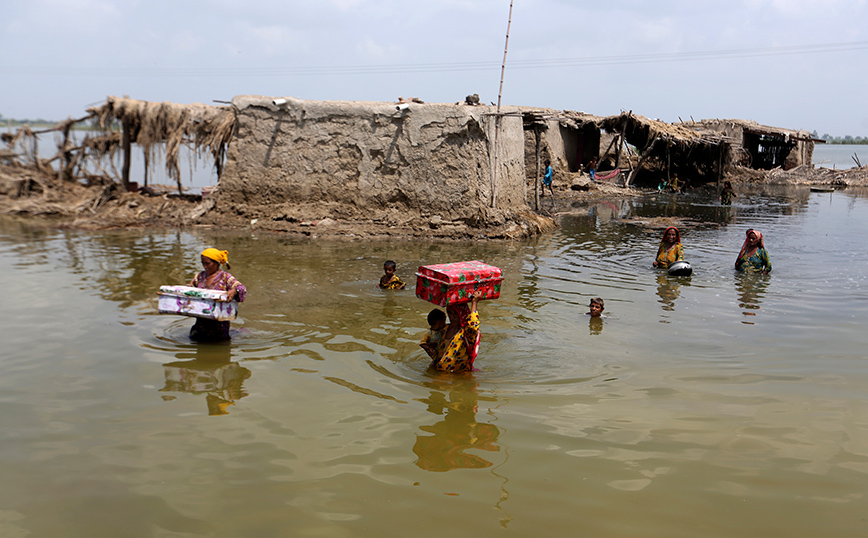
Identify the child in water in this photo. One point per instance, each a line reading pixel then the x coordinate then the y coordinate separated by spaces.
pixel 437 323
pixel 390 281
pixel 727 194
pixel 596 308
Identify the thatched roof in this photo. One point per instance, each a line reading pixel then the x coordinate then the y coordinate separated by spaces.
pixel 640 131
pixel 202 127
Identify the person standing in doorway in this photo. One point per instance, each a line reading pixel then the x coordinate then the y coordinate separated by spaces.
pixel 547 178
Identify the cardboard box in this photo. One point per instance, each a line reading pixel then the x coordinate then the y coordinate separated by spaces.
pixel 196 302
pixel 452 283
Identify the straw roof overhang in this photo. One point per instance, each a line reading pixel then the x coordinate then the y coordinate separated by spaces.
pixel 640 132
pixel 150 124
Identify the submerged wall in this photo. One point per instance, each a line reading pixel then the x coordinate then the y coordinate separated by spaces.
pixel 315 159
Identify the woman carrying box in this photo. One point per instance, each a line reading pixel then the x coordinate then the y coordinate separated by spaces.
pixel 460 342
pixel 213 278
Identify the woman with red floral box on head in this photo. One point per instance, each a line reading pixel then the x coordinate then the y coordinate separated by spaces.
pixel 460 342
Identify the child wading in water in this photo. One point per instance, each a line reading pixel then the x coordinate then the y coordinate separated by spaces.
pixel 596 308
pixel 390 281
pixel 432 339
pixel 727 194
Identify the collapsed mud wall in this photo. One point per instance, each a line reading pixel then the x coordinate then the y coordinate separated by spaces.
pixel 760 146
pixel 300 160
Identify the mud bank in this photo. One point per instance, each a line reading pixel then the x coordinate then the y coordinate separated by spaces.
pixel 26 191
pixel 30 192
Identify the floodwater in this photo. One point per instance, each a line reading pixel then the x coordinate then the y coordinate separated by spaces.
pixel 839 156
pixel 717 405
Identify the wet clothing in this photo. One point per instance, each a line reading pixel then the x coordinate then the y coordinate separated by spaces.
pixel 394 284
pixel 726 196
pixel 666 257
pixel 758 262
pixel 211 330
pixel 457 355
pixel 673 253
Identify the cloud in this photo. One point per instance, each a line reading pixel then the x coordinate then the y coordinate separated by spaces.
pixel 370 50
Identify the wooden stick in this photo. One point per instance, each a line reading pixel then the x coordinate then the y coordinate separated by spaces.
pixel 621 144
pixel 497 118
pixel 645 153
pixel 127 145
pixel 605 153
pixel 536 180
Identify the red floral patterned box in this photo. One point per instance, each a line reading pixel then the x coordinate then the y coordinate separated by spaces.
pixel 452 283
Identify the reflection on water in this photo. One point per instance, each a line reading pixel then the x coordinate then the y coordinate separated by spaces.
pixel 458 432
pixel 330 423
pixel 209 371
pixel 667 290
pixel 751 288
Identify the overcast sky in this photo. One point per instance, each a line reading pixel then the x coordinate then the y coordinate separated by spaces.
pixel 798 64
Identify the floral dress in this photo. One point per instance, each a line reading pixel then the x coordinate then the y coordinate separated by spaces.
pixel 211 330
pixel 665 257
pixel 457 354
pixel 758 262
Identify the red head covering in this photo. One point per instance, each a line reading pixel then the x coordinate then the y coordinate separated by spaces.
pixel 746 243
pixel 677 234
pixel 463 312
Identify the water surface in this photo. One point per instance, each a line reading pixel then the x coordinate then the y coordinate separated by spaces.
pixel 719 405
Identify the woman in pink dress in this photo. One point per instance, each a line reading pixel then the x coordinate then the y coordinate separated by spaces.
pixel 213 278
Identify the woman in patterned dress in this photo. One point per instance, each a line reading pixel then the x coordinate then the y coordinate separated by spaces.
pixel 753 257
pixel 670 250
pixel 213 278
pixel 460 342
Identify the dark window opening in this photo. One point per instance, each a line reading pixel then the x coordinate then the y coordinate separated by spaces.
pixel 767 152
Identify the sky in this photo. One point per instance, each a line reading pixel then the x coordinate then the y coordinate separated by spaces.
pixel 796 64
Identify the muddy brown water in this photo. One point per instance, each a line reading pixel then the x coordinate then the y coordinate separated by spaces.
pixel 719 405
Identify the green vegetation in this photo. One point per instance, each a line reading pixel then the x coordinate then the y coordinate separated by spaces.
pixel 841 139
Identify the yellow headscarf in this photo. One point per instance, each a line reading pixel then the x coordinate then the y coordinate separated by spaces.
pixel 219 256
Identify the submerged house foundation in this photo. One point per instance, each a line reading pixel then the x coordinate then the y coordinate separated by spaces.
pixel 289 161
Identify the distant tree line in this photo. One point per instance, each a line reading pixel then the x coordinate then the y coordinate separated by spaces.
pixel 841 139
pixel 10 121
pixel 40 122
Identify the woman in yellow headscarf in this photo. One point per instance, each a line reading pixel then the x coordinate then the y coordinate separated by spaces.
pixel 213 278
